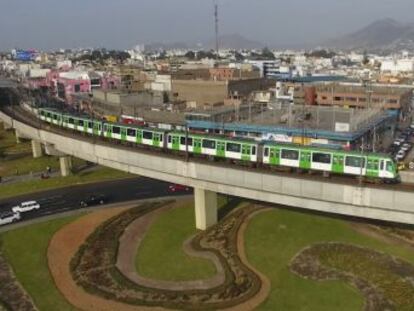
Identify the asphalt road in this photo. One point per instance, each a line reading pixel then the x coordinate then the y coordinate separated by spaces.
pixel 67 199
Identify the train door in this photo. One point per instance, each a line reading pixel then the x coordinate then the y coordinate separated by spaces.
pixel 274 156
pixel 245 156
pixel 197 145
pixel 123 134
pixel 305 160
pixel 372 168
pixel 156 139
pixel 96 128
pixel 221 149
pixel 139 136
pixel 109 131
pixel 338 164
pixel 85 126
pixel 176 142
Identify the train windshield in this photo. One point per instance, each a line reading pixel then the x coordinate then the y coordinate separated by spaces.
pixel 390 167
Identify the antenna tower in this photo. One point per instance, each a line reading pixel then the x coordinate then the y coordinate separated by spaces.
pixel 216 21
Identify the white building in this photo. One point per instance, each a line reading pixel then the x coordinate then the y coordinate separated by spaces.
pixel 396 66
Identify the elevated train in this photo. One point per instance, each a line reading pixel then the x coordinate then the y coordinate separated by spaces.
pixel 371 166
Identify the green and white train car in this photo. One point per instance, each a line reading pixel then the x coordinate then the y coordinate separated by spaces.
pixel 82 124
pixel 235 149
pixel 339 162
pixel 50 116
pixel 133 134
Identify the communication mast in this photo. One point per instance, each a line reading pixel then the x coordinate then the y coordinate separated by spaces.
pixel 216 21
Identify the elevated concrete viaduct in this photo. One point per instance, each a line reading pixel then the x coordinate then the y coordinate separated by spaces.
pixel 208 180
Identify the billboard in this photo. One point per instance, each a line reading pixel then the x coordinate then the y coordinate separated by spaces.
pixel 25 55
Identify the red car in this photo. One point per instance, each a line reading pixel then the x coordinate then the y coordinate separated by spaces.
pixel 178 188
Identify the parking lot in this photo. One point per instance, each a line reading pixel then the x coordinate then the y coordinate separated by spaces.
pixel 402 147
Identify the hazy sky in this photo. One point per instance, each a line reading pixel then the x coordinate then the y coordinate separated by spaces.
pixel 50 24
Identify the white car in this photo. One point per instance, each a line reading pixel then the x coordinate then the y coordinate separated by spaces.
pixel 406 147
pixel 400 155
pixel 8 217
pixel 26 207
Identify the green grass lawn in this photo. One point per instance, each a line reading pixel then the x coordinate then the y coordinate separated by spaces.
pixel 23 161
pixel 101 174
pixel 9 145
pixel 25 249
pixel 274 238
pixel 161 255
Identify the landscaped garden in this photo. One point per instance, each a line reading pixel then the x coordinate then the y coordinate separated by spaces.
pixel 312 262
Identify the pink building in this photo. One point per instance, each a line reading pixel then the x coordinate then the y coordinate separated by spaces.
pixel 71 83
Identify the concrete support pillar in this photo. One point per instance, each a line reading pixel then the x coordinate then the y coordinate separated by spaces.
pixel 7 126
pixel 18 137
pixel 37 149
pixel 205 208
pixel 65 165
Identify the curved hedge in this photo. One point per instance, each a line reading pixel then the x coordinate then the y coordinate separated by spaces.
pixel 94 266
pixel 386 282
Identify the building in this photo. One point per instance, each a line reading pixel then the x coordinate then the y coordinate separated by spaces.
pixel 397 66
pixel 203 92
pixel 353 96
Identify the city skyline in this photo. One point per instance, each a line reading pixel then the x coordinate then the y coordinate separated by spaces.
pixel 48 24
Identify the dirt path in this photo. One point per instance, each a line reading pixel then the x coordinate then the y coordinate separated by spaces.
pixel 66 242
pixel 64 246
pixel 266 285
pixel 129 244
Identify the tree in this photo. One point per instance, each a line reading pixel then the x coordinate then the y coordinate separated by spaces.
pixel 365 58
pixel 268 54
pixel 239 57
pixel 190 55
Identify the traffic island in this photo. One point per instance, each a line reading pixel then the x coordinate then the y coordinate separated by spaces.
pixel 95 266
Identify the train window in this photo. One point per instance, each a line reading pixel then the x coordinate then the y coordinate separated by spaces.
pixel 390 167
pixel 71 121
pixel 354 161
pixel 290 154
pixel 266 152
pixel 131 132
pixel 254 150
pixel 161 138
pixel 324 158
pixel 232 147
pixel 48 114
pixel 147 135
pixel 209 144
pixel 116 130
pixel 372 165
pixel 169 139
pixel 189 139
pixel 90 125
pixel 55 117
pixel 382 165
pixel 80 122
pixel 42 113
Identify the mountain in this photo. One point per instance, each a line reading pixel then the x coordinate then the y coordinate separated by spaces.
pixel 231 41
pixel 234 42
pixel 384 34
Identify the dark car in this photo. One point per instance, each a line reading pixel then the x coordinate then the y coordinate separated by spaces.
pixel 178 188
pixel 95 199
